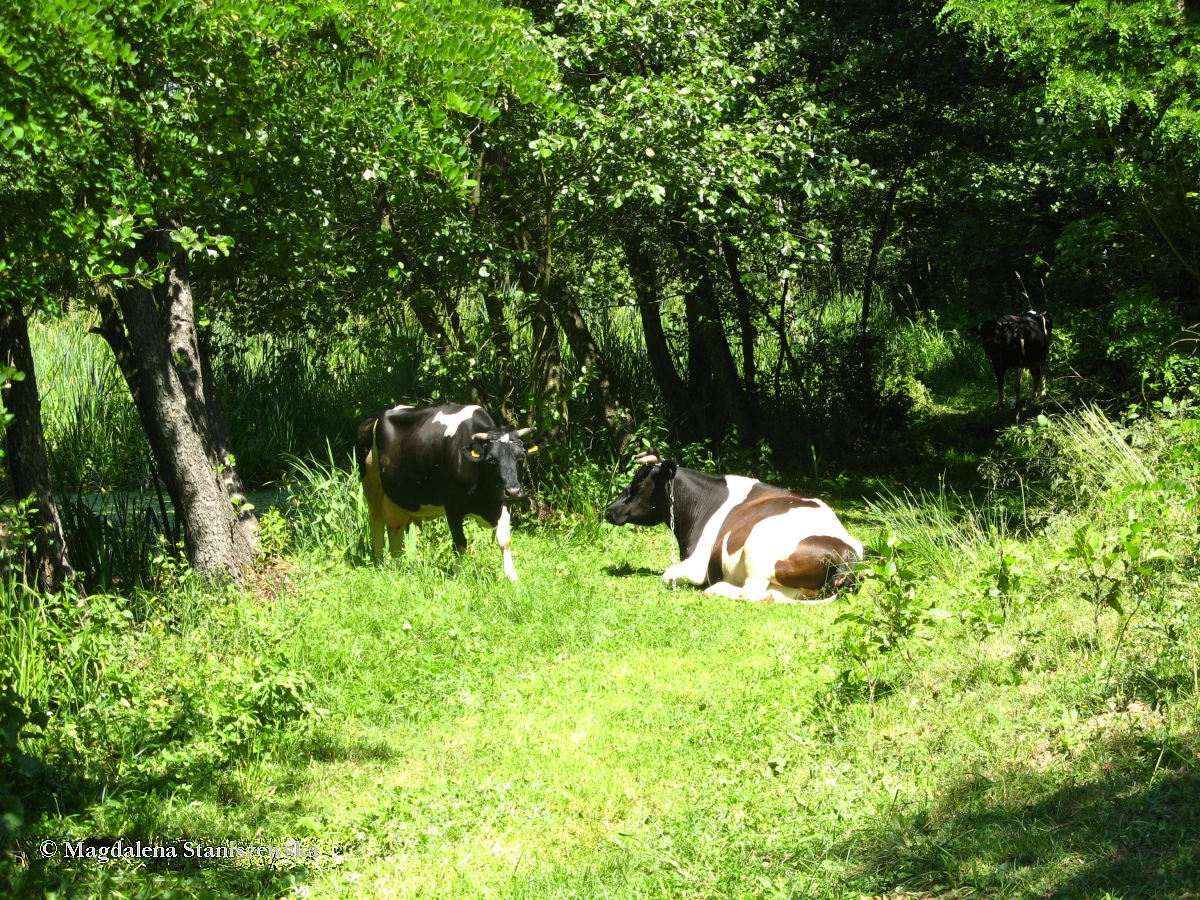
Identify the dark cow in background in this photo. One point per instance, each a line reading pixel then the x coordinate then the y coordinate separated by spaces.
pixel 744 539
pixel 1017 342
pixel 452 461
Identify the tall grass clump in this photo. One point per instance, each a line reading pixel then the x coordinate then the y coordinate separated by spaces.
pixel 326 510
pixel 948 532
pixel 94 437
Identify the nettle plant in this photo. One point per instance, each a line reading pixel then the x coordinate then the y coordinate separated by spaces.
pixel 1118 565
pixel 896 614
pixel 990 599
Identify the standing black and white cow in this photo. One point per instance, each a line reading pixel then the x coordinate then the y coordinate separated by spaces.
pixel 743 538
pixel 1017 342
pixel 452 461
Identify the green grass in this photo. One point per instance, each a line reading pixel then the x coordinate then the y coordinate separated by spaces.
pixel 589 733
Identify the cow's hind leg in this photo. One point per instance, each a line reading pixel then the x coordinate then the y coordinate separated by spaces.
pixel 724 589
pixel 1037 382
pixel 396 535
pixel 998 370
pixel 377 529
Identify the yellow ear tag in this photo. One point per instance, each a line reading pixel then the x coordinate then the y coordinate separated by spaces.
pixel 475 453
pixel 534 449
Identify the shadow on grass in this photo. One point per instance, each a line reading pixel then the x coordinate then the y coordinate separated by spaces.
pixel 136 806
pixel 1130 832
pixel 625 570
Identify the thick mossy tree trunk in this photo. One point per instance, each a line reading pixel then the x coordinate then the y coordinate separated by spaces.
pixel 154 337
pixel 50 566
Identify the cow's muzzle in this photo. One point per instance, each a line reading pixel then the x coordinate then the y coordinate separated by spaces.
pixel 514 493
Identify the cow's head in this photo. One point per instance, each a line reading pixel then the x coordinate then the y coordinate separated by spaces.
pixel 647 500
pixel 985 329
pixel 501 454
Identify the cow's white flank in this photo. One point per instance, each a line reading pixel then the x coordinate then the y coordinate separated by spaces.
pixel 694 569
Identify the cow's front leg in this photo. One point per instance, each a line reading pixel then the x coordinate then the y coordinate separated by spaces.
pixel 504 539
pixel 455 521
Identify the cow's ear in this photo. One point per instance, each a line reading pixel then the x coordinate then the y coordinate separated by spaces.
pixel 668 468
pixel 476 448
pixel 534 444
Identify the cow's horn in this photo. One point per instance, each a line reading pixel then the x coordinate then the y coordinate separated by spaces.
pixel 649 457
pixel 521 432
pixel 480 436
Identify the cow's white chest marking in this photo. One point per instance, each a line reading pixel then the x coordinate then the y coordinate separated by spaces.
pixel 454 421
pixel 695 568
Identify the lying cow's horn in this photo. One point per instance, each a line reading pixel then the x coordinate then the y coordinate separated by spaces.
pixel 649 457
pixel 521 432
pixel 479 436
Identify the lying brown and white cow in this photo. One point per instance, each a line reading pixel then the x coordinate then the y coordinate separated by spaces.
pixel 745 539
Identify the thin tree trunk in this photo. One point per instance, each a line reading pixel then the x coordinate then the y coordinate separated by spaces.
pixel 501 339
pixel 431 323
pixel 745 316
pixel 583 345
pixel 877 243
pixel 700 384
pixel 662 362
pixel 28 466
pixel 546 362
pixel 735 405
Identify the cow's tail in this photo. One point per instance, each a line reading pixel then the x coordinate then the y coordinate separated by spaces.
pixel 364 439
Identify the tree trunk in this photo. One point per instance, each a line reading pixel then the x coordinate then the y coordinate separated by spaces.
pixel 154 346
pixel 501 338
pixel 583 345
pixel 745 316
pixel 546 363
pixel 735 406
pixel 195 377
pixel 881 233
pixel 662 362
pixel 700 385
pixel 50 567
